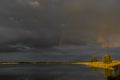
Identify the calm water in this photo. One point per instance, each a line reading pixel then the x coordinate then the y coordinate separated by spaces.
pixel 48 72
pixel 55 72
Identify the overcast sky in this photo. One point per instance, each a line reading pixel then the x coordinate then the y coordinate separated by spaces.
pixel 45 21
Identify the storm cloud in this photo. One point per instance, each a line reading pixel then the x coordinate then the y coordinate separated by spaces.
pixel 44 22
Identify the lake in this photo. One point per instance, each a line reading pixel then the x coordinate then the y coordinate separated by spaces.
pixel 49 72
pixel 55 71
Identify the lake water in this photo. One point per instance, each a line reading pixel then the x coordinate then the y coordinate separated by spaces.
pixel 49 72
pixel 55 71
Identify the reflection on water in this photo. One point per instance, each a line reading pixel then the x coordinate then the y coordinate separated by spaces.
pixel 94 69
pixel 57 72
pixel 110 74
pixel 47 72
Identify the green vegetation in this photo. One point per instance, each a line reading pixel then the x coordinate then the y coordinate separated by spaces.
pixel 107 59
pixel 94 59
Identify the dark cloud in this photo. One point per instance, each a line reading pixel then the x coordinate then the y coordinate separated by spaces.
pixel 42 22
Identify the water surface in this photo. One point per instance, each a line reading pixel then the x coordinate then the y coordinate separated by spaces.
pixel 48 72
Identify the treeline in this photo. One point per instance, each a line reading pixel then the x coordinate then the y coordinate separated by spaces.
pixel 105 59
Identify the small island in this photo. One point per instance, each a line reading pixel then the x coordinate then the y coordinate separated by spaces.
pixel 106 63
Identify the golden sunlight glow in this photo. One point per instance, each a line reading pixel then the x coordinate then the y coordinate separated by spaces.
pixel 108 43
pixel 106 38
pixel 102 41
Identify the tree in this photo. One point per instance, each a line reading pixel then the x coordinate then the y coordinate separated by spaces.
pixel 107 59
pixel 94 59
